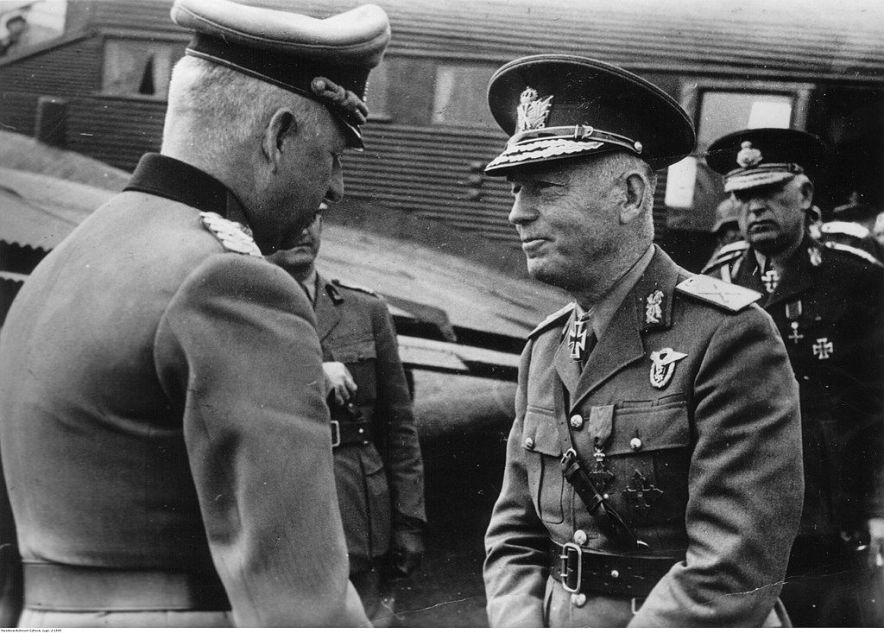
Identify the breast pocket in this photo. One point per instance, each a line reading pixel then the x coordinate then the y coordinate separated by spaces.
pixel 543 464
pixel 649 455
pixel 360 356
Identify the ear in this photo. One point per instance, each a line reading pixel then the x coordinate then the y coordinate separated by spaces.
pixel 281 125
pixel 806 191
pixel 632 205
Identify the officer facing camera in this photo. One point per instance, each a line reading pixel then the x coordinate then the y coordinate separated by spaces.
pixel 827 301
pixel 377 457
pixel 644 484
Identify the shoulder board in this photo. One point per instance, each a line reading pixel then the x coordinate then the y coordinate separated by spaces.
pixel 846 228
pixel 728 253
pixel 350 286
pixel 719 293
pixel 857 252
pixel 555 317
pixel 233 236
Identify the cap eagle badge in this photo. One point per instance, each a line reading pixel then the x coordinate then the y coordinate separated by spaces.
pixel 748 156
pixel 532 111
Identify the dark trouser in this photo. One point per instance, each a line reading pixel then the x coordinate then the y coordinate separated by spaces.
pixel 377 594
pixel 828 584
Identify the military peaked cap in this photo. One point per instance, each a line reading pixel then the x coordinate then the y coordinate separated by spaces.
pixel 764 156
pixel 562 106
pixel 325 60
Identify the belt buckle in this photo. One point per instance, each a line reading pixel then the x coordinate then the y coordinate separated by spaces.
pixel 571 552
pixel 335 433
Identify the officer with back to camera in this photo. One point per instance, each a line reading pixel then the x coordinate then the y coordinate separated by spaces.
pixel 164 434
pixel 645 484
pixel 826 301
pixel 378 465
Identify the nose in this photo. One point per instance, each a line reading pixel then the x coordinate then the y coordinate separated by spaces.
pixel 521 213
pixel 335 191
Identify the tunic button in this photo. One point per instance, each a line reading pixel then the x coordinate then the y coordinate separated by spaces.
pixel 580 537
pixel 635 444
pixel 578 599
pixel 576 421
pixel 615 574
pixel 529 442
pixel 360 430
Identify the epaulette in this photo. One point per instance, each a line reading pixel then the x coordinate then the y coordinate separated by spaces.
pixel 232 235
pixel 858 252
pixel 350 286
pixel 727 254
pixel 719 293
pixel 845 228
pixel 551 319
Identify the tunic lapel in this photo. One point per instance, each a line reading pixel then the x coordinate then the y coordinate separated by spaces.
pixel 327 315
pixel 620 345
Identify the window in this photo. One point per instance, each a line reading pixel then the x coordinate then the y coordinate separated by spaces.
pixel 459 97
pixel 722 112
pixel 139 68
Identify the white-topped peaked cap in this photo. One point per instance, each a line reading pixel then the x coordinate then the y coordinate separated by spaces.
pixel 760 157
pixel 327 60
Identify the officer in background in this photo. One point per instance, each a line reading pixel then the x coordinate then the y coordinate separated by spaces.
pixel 826 300
pixel 645 484
pixel 726 229
pixel 852 225
pixel 378 466
pixel 164 433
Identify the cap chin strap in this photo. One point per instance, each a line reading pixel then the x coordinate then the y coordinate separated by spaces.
pixel 764 168
pixel 577 133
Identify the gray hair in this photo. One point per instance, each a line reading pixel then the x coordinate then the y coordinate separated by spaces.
pixel 616 165
pixel 225 106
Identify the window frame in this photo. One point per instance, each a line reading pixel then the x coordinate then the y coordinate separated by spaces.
pixel 692 91
pixel 138 38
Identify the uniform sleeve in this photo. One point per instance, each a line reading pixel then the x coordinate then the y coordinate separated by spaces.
pixel 11 583
pixel 516 542
pixel 745 483
pixel 394 411
pixel 256 431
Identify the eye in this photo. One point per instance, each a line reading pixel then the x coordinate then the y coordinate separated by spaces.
pixel 515 188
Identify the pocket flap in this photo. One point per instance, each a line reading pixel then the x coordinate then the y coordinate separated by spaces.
pixel 656 428
pixel 539 433
pixel 355 351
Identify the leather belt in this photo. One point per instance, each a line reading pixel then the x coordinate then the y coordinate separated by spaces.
pixel 52 587
pixel 346 432
pixel 588 571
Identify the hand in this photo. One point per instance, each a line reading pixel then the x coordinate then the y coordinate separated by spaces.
pixel 408 550
pixel 404 563
pixel 876 542
pixel 339 380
